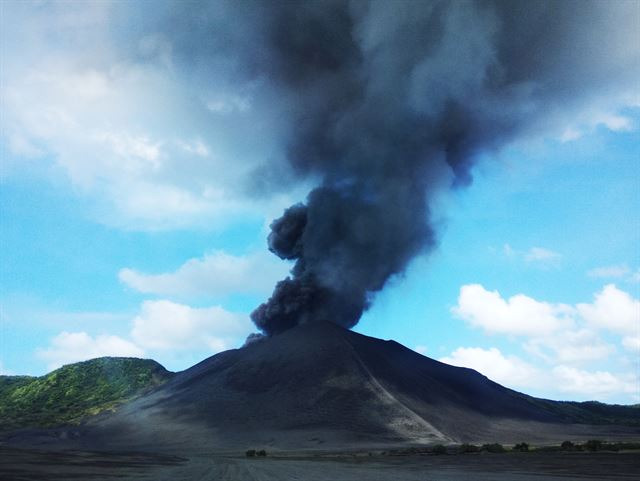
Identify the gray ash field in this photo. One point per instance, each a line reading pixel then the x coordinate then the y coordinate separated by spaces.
pixel 31 465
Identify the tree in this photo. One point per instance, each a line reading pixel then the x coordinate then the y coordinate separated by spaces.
pixel 439 449
pixel 593 445
pixel 567 446
pixel 493 448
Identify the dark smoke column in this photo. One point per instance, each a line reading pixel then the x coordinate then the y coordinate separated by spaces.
pixel 345 247
pixel 387 102
pixel 378 157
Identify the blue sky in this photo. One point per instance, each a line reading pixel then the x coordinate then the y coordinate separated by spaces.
pixel 123 231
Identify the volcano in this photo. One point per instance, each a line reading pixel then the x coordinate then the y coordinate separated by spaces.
pixel 320 386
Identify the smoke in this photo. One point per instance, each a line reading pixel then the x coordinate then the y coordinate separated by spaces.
pixel 381 105
pixel 391 101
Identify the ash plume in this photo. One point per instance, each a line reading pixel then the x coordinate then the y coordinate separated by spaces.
pixel 391 101
pixel 382 104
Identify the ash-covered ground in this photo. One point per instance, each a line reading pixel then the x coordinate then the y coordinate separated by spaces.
pixel 33 465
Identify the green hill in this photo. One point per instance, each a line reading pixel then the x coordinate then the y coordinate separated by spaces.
pixel 75 391
pixel 591 412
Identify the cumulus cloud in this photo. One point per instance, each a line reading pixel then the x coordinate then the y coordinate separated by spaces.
pixel 141 174
pixel 215 274
pixel 568 331
pixel 164 325
pixel 153 146
pixel 566 338
pixel 614 310
pixel 570 346
pixel 69 347
pixel 593 383
pixel 507 370
pixel 520 314
pixel 176 335
pixel 514 372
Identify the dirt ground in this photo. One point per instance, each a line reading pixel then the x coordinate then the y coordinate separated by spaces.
pixel 34 465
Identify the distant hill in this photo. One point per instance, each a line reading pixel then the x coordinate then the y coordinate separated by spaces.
pixel 592 412
pixel 69 394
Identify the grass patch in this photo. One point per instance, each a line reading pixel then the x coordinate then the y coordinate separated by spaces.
pixel 73 392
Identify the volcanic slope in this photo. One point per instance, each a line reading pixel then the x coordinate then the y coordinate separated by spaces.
pixel 322 386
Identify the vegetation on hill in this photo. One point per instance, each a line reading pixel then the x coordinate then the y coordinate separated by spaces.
pixel 69 394
pixel 591 412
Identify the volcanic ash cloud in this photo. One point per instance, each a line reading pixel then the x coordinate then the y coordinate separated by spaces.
pixel 388 102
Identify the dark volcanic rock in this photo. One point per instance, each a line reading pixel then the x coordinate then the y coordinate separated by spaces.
pixel 319 385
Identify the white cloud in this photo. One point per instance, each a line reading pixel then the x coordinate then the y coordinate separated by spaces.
pixel 632 343
pixel 129 131
pixel 196 147
pixel 519 314
pixel 126 146
pixel 616 123
pixel 506 370
pixel 542 256
pixel 176 335
pixel 564 337
pixel 616 271
pixel 148 172
pixel 165 325
pixel 420 349
pixel 69 347
pixel 614 310
pixel 512 371
pixel 570 133
pixel 536 256
pixel 217 273
pixel 606 116
pixel 593 383
pixel 570 346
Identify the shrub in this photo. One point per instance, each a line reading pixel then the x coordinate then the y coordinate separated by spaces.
pixel 522 447
pixel 493 448
pixel 250 453
pixel 593 445
pixel 262 453
pixel 567 446
pixel 468 448
pixel 439 449
pixel 628 445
